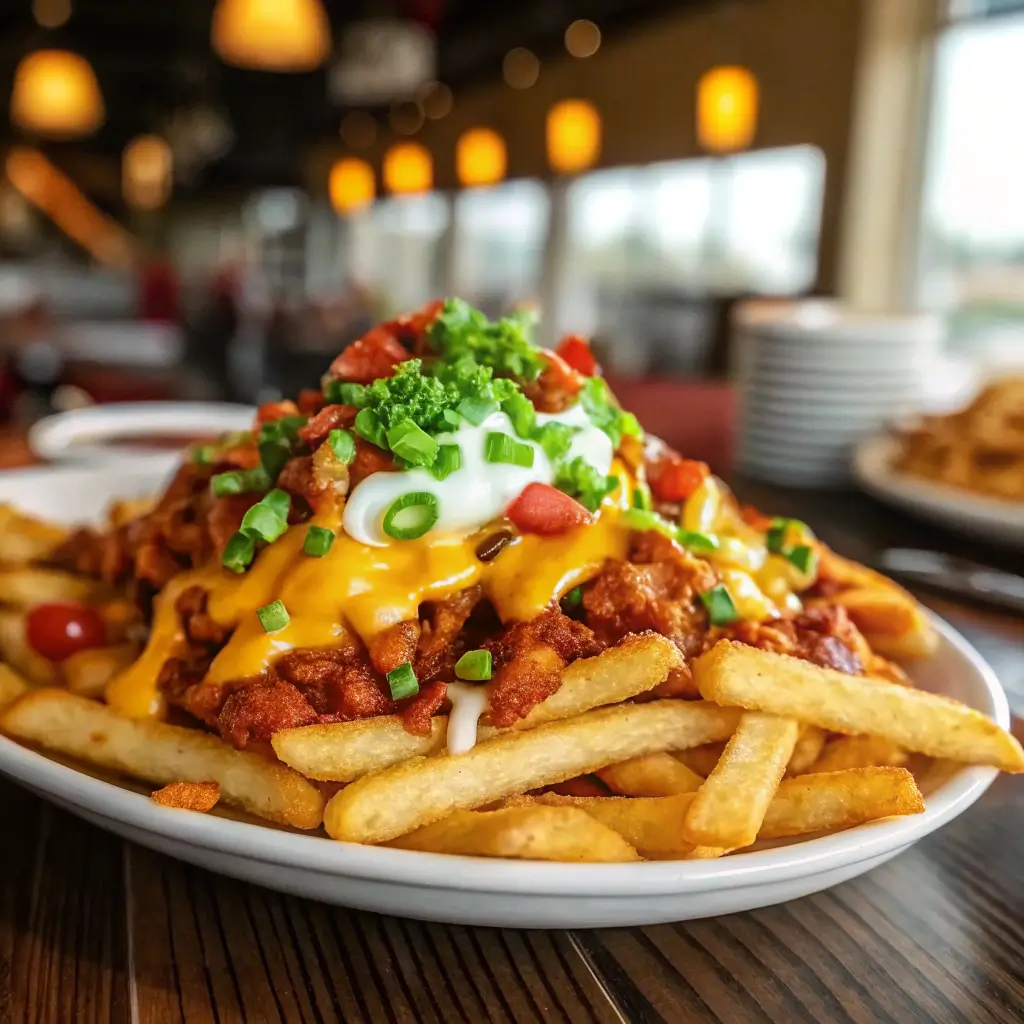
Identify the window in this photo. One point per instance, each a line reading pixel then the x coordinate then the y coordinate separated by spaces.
pixel 971 262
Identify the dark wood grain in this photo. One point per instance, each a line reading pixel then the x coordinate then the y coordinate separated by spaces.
pixel 96 930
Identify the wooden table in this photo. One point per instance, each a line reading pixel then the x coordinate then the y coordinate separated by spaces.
pixel 95 929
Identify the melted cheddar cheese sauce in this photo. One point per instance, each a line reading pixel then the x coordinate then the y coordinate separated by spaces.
pixel 363 589
pixel 356 588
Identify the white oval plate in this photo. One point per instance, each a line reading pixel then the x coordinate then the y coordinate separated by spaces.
pixel 90 435
pixel 479 891
pixel 991 519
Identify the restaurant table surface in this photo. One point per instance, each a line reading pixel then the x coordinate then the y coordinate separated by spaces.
pixel 94 928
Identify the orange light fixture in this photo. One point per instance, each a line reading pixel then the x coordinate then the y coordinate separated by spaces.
pixel 481 157
pixel 147 172
pixel 408 168
pixel 351 185
pixel 56 95
pixel 573 136
pixel 271 35
pixel 727 106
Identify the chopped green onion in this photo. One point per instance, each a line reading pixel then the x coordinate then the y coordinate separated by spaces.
pixel 413 444
pixel 263 523
pixel 642 498
pixel 339 392
pixel 474 666
pixel 279 502
pixel 702 543
pixel 775 539
pixel 318 541
pixel 452 418
pixel 239 481
pixel 476 409
pixel 629 424
pixel 720 605
pixel 343 444
pixel 519 409
pixel 273 616
pixel 643 520
pixel 411 515
pixel 204 454
pixel 506 449
pixel 803 557
pixel 449 459
pixel 402 681
pixel 238 553
pixel 274 455
pixel 574 598
pixel 368 425
pixel 555 439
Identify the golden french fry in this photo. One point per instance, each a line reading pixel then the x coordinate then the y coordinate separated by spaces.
pixel 24 539
pixel 829 801
pixel 12 686
pixel 806 750
pixel 859 752
pixel 812 803
pixel 88 672
pixel 736 675
pixel 650 775
pixel 702 759
pixel 729 808
pixel 524 833
pixel 27 586
pixel 420 791
pixel 892 622
pixel 160 753
pixel 346 751
pixel 15 648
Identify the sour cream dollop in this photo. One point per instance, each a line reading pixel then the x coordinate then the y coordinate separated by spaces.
pixel 478 491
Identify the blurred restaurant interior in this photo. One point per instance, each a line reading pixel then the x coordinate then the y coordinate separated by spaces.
pixel 209 200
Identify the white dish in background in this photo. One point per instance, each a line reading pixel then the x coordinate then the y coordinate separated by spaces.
pixel 104 432
pixel 471 890
pixel 990 519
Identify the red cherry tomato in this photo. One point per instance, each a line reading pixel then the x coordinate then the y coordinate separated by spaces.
pixel 376 354
pixel 56 631
pixel 673 478
pixel 547 511
pixel 577 353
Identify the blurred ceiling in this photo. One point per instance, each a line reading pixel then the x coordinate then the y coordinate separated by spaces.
pixel 153 57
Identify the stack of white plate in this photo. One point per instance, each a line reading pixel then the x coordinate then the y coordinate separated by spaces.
pixel 814 379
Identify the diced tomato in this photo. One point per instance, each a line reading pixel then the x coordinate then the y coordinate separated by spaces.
pixel 425 316
pixel 546 511
pixel 244 456
pixel 577 353
pixel 58 630
pixel 673 478
pixel 310 401
pixel 329 418
pixel 376 354
pixel 756 518
pixel 369 459
pixel 558 375
pixel 269 412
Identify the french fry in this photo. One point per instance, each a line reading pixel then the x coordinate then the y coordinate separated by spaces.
pixel 88 672
pixel 812 803
pixel 24 539
pixel 27 586
pixel 829 801
pixel 346 751
pixel 12 686
pixel 650 775
pixel 15 648
pixel 729 808
pixel 733 674
pixel 422 790
pixel 161 754
pixel 702 759
pixel 524 833
pixel 188 796
pixel 806 750
pixel 859 752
